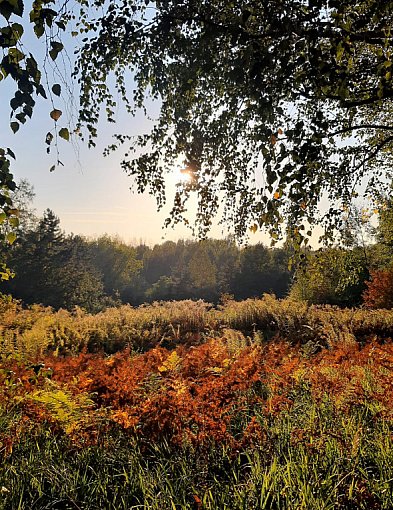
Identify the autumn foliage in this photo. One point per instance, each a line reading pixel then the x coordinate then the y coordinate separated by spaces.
pixel 379 291
pixel 216 392
pixel 256 410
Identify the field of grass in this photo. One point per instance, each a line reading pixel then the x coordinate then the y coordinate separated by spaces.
pixel 257 404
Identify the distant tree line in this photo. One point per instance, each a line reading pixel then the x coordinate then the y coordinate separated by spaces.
pixel 63 271
pixel 67 270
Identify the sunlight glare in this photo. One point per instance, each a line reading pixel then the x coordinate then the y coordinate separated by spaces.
pixel 184 175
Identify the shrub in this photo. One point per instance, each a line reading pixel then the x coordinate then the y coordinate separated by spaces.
pixel 379 291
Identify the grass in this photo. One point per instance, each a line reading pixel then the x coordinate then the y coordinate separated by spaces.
pixel 154 408
pixel 37 330
pixel 45 471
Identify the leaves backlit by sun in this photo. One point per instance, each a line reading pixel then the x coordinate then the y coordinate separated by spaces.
pixel 185 175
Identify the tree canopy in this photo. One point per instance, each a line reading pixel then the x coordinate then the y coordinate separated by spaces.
pixel 272 105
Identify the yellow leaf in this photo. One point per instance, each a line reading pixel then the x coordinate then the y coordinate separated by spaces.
pixel 11 236
pixel 277 195
pixel 171 363
pixel 254 228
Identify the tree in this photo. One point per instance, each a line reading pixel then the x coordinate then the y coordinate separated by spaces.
pixel 379 290
pixel 262 270
pixel 202 271
pixel 53 269
pixel 163 289
pixel 332 276
pixel 34 259
pixel 23 221
pixel 385 225
pixel 22 199
pixel 21 67
pixel 190 269
pixel 117 263
pixel 162 260
pixel 271 104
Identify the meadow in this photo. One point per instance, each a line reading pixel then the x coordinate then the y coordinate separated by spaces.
pixel 257 404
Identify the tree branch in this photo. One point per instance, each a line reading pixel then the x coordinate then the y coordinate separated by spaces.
pixel 360 102
pixel 374 153
pixel 362 126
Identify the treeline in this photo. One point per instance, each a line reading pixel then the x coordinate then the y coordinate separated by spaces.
pixel 62 271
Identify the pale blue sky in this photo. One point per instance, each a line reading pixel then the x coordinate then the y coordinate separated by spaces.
pixel 90 193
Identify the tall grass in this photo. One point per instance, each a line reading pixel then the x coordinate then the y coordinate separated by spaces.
pixel 38 330
pixel 332 464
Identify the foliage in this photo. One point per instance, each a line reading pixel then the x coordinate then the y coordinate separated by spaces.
pixel 66 271
pixel 117 263
pixel 38 331
pixel 271 106
pixel 189 269
pixel 385 226
pixel 52 269
pixel 379 291
pixel 332 276
pixel 262 270
pixel 26 73
pixel 25 219
pixel 209 426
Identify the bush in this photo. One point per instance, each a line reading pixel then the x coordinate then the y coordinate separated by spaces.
pixel 379 291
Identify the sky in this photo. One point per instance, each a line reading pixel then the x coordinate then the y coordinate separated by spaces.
pixel 90 193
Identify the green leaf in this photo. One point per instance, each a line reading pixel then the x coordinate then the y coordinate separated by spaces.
pixel 56 49
pixel 17 6
pixel 15 55
pixel 56 89
pixel 39 30
pixel 21 117
pixel 11 236
pixel 14 126
pixel 9 7
pixel 64 133
pixel 5 10
pixel 11 153
pixel 61 25
pixel 40 90
pixel 14 222
pixel 3 217
pixel 17 30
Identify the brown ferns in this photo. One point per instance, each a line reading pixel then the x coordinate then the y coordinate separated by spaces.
pixel 197 395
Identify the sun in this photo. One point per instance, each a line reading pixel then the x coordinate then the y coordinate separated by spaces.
pixel 184 175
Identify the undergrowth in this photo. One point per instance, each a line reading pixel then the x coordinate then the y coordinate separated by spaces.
pixel 37 330
pixel 258 405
